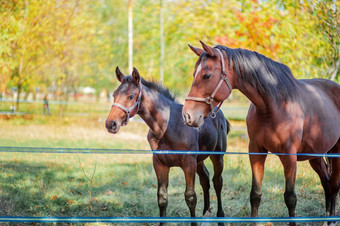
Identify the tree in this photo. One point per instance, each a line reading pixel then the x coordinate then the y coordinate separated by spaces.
pixel 327 15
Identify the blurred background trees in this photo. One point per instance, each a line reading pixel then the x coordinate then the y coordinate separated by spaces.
pixel 57 46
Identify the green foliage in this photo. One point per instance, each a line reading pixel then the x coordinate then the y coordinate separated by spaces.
pixel 61 45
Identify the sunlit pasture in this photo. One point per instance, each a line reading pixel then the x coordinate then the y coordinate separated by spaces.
pixel 124 185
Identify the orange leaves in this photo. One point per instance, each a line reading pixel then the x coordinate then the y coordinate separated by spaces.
pixel 54 197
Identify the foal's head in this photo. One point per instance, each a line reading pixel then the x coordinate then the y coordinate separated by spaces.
pixel 126 102
pixel 206 93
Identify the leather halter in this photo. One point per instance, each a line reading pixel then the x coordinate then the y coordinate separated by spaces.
pixel 210 99
pixel 129 110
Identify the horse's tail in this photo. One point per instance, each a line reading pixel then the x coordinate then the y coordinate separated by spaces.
pixel 328 161
pixel 228 125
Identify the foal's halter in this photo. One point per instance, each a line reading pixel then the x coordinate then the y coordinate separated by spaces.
pixel 210 99
pixel 129 110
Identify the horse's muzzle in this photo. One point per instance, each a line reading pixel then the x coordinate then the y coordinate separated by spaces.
pixel 191 120
pixel 112 126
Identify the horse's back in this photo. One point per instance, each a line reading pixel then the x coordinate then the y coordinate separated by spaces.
pixel 321 105
pixel 330 88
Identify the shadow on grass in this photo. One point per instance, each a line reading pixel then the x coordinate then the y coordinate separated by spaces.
pixel 129 190
pixel 36 189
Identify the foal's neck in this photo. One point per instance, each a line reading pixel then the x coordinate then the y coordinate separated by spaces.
pixel 155 111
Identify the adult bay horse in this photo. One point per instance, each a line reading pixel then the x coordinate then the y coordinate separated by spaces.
pixel 159 110
pixel 287 115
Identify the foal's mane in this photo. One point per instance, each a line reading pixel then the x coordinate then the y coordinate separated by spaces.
pixel 159 88
pixel 264 74
pixel 155 86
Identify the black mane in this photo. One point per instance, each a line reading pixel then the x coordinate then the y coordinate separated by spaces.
pixel 264 74
pixel 154 86
pixel 159 88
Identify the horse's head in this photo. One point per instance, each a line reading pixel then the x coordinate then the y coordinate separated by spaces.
pixel 126 102
pixel 210 87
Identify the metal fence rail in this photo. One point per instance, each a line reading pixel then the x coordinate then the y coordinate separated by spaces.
pixel 52 150
pixel 167 219
pixel 61 150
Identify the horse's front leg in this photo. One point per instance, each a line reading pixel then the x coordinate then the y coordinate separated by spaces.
pixel 203 174
pixel 162 173
pixel 218 182
pixel 257 166
pixel 289 166
pixel 189 167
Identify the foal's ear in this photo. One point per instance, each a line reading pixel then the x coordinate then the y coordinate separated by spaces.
pixel 198 51
pixel 119 75
pixel 208 49
pixel 135 76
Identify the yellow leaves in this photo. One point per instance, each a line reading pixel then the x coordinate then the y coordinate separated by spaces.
pixel 54 197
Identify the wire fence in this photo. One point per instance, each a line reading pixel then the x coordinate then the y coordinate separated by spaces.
pixel 58 150
pixel 167 219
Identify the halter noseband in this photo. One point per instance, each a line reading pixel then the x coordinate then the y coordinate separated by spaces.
pixel 128 110
pixel 210 99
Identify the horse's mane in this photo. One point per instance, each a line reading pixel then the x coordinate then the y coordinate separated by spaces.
pixel 264 74
pixel 159 88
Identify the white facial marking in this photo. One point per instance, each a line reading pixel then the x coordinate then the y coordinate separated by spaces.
pixel 199 68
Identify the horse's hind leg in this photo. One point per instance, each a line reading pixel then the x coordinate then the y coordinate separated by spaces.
pixel 334 182
pixel 203 174
pixel 218 181
pixel 321 169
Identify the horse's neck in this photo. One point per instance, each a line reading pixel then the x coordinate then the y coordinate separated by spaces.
pixel 262 103
pixel 155 111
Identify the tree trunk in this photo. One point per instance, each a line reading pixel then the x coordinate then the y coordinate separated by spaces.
pixel 130 37
pixel 162 42
pixel 18 97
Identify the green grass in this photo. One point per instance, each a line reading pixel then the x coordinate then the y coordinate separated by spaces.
pixel 125 185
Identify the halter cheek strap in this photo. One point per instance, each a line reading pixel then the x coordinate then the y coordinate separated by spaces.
pixel 130 109
pixel 210 99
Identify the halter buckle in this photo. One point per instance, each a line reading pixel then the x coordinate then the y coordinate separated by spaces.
pixel 224 75
pixel 209 100
pixel 213 114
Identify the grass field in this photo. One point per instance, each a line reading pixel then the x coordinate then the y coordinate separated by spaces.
pixel 125 185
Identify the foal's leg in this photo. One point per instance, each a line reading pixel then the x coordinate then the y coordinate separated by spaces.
pixel 289 166
pixel 320 168
pixel 257 167
pixel 334 182
pixel 218 181
pixel 189 167
pixel 203 174
pixel 162 173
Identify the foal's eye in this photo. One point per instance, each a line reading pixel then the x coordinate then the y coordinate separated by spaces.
pixel 131 97
pixel 206 76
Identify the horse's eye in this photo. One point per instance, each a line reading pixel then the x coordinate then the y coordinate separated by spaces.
pixel 206 76
pixel 131 97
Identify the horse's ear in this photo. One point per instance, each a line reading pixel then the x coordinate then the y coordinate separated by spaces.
pixel 135 76
pixel 208 49
pixel 119 75
pixel 198 51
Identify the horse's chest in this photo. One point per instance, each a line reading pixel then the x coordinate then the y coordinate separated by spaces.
pixel 278 137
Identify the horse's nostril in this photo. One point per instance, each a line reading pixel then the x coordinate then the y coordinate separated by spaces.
pixel 113 124
pixel 188 116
